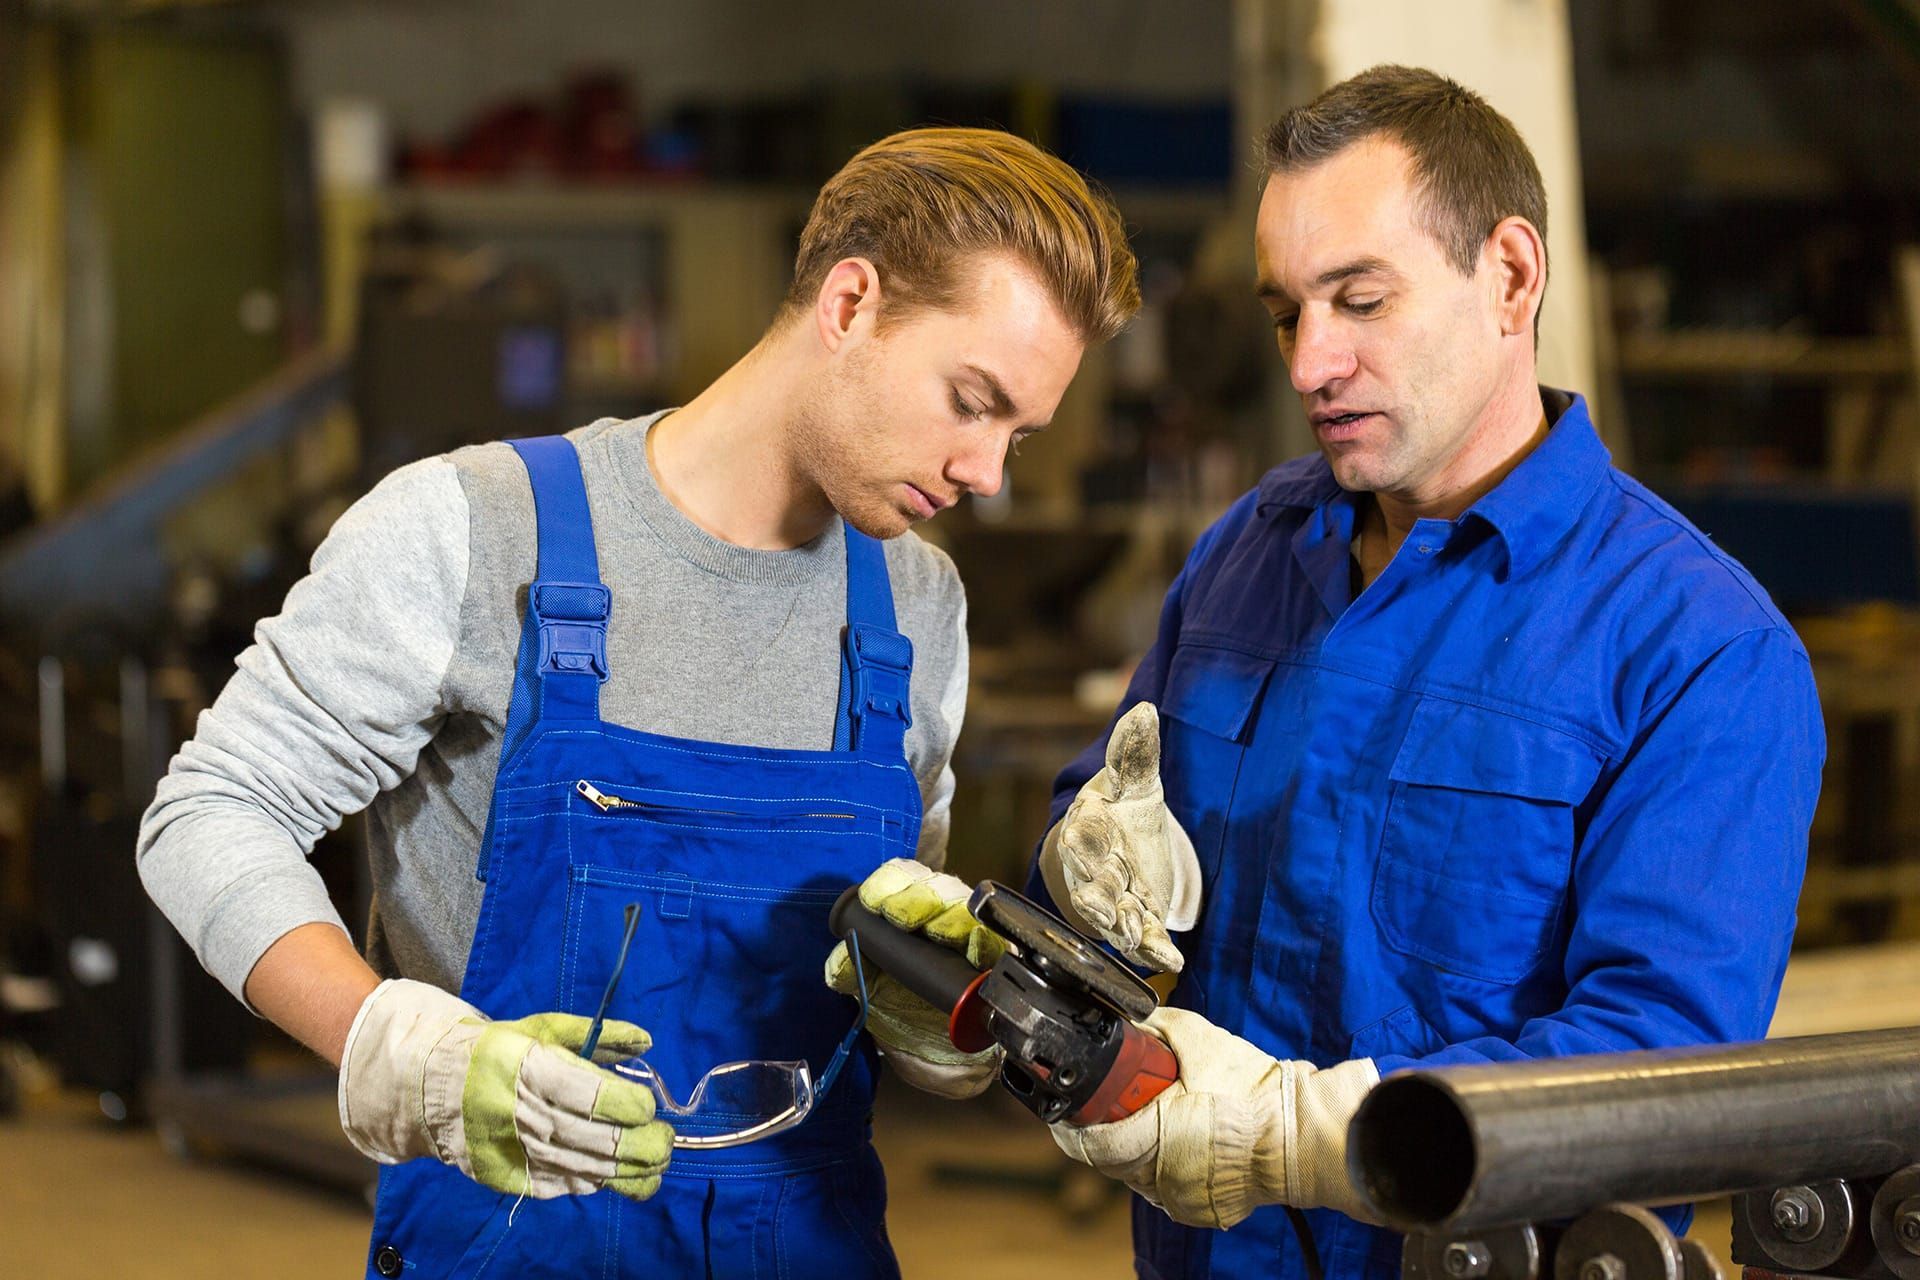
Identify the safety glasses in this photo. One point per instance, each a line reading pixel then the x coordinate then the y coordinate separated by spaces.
pixel 741 1102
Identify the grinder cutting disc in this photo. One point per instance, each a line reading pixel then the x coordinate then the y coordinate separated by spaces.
pixel 1058 952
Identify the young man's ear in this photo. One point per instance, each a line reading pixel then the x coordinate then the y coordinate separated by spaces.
pixel 848 302
pixel 1519 273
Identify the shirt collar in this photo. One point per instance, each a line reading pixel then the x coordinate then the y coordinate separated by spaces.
pixel 1541 499
pixel 1306 483
pixel 1531 509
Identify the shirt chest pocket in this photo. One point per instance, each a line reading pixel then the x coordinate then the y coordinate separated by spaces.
pixel 1477 839
pixel 1207 712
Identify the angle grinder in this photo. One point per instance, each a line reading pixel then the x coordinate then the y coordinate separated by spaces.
pixel 1063 1009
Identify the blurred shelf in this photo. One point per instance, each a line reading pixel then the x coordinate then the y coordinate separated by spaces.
pixel 548 205
pixel 613 386
pixel 1727 353
pixel 1157 207
pixel 715 257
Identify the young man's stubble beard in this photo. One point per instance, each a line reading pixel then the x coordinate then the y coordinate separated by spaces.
pixel 839 436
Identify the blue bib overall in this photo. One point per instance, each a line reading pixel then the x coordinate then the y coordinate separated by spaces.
pixel 733 855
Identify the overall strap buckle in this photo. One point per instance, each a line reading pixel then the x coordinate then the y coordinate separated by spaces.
pixel 572 618
pixel 881 665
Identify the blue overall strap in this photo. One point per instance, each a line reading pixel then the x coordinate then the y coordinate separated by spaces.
pixel 563 646
pixel 876 661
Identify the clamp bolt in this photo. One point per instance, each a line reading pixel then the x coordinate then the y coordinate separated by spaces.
pixel 1467 1260
pixel 1797 1214
pixel 1604 1266
pixel 1906 1225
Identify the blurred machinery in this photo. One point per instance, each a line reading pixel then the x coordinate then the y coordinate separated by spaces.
pixel 136 639
pixel 132 646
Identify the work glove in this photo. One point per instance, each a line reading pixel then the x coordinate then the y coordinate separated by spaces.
pixel 1237 1130
pixel 1119 863
pixel 512 1105
pixel 912 1033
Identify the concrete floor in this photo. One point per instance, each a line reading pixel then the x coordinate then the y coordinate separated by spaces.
pixel 82 1198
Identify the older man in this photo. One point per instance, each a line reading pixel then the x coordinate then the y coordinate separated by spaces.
pixel 1474 749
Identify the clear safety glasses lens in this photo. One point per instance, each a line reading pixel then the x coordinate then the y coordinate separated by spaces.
pixel 742 1101
pixel 737 1102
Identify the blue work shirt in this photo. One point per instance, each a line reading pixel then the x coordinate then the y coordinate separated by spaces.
pixel 1542 788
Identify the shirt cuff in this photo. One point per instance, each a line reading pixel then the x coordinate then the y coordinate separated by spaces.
pixel 257 911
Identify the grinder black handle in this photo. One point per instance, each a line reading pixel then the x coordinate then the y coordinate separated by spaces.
pixel 937 974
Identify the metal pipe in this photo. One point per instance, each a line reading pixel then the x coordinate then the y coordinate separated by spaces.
pixel 1461 1148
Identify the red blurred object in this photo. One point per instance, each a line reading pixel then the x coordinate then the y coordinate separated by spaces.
pixel 600 130
pixel 516 137
pixel 426 160
pixel 594 133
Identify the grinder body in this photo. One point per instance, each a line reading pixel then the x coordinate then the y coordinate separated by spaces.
pixel 1062 1009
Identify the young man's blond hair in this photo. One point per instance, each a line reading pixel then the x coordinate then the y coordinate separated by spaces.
pixel 922 203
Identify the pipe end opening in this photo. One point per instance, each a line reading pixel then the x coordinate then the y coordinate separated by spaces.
pixel 1411 1152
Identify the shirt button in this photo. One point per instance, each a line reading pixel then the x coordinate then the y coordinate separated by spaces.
pixel 1426 549
pixel 388 1262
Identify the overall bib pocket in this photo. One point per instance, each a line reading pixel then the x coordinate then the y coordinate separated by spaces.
pixel 518 1240
pixel 728 953
pixel 832 1222
pixel 434 1220
pixel 1477 839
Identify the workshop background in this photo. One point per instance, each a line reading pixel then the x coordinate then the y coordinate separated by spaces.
pixel 255 255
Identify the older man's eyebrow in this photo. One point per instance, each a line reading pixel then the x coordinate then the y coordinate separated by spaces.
pixel 1358 267
pixel 1272 291
pixel 1002 402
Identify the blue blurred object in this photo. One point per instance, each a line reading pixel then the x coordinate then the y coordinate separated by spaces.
pixel 532 369
pixel 1140 143
pixel 673 151
pixel 1810 546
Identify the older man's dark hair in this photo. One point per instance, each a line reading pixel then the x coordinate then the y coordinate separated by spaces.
pixel 1471 169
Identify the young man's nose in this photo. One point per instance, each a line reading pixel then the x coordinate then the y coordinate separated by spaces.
pixel 979 469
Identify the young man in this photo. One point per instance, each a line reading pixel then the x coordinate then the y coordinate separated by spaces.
pixel 1474 749
pixel 649 693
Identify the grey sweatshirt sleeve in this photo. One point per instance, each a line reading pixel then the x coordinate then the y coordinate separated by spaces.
pixel 330 705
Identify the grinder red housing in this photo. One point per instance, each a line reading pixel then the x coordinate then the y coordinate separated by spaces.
pixel 1062 1008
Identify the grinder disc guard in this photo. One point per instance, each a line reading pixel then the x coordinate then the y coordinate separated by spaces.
pixel 1060 954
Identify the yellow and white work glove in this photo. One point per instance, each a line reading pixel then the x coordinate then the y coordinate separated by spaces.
pixel 512 1105
pixel 912 1033
pixel 1119 864
pixel 1237 1130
